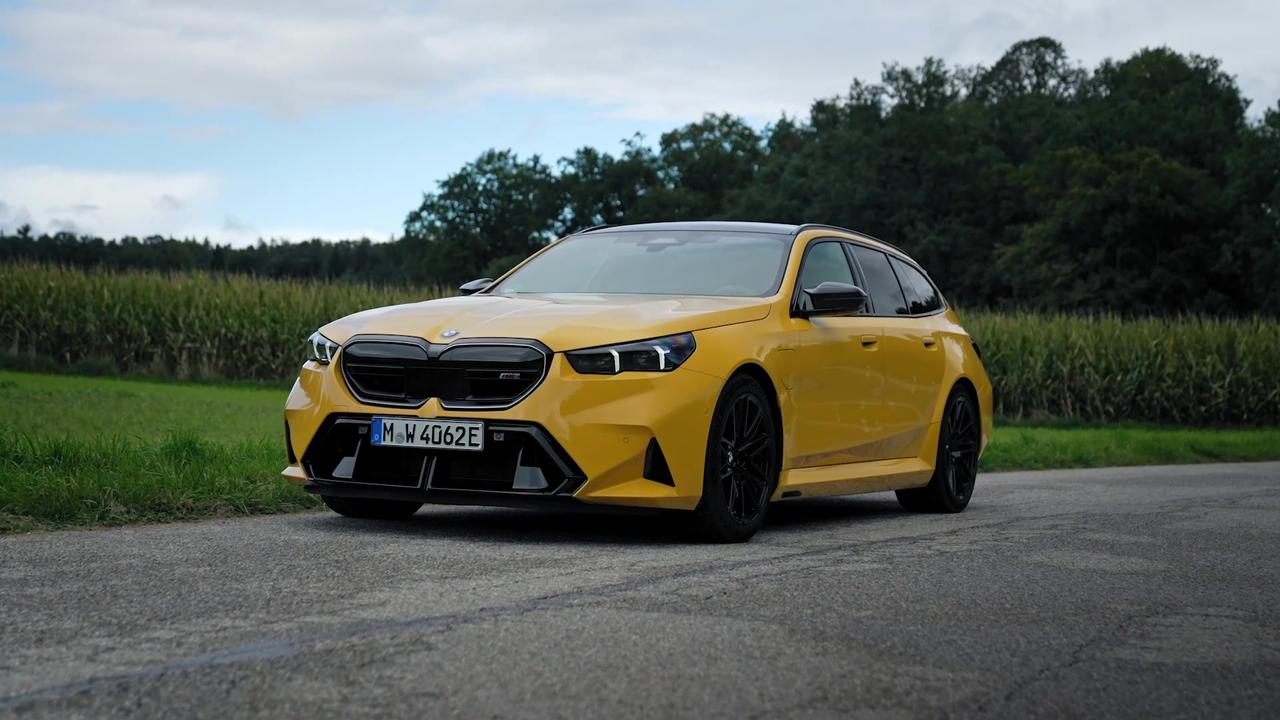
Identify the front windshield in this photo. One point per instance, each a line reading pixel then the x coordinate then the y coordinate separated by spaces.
pixel 657 262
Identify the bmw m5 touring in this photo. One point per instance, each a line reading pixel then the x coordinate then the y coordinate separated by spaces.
pixel 707 367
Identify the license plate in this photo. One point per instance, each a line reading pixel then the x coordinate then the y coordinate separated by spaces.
pixel 434 434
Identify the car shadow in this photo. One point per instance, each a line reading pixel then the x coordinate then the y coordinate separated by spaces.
pixel 602 526
pixel 812 512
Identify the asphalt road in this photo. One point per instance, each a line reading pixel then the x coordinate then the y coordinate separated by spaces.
pixel 1135 592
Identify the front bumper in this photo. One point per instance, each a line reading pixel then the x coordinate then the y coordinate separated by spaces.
pixel 600 431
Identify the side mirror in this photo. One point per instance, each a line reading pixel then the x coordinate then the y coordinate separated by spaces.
pixel 475 286
pixel 833 298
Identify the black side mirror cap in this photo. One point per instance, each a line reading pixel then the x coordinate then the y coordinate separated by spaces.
pixel 833 298
pixel 475 286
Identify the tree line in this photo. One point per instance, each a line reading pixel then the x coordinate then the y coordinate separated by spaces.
pixel 1139 186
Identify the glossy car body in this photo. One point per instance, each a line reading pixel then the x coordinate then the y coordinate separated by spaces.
pixel 859 398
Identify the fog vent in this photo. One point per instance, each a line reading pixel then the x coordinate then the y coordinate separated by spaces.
pixel 655 465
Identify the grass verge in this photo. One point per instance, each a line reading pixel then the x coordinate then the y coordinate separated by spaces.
pixel 48 482
pixel 85 408
pixel 1038 447
pixel 105 451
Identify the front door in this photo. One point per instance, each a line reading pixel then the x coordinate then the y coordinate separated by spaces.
pixel 837 377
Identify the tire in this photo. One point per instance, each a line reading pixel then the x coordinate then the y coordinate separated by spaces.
pixel 741 470
pixel 956 469
pixel 371 509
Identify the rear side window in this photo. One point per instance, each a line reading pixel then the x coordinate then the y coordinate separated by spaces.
pixel 922 296
pixel 882 285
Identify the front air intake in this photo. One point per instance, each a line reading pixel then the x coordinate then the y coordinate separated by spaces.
pixel 288 445
pixel 518 458
pixel 655 464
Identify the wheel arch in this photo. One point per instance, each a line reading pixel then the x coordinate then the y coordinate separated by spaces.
pixel 963 382
pixel 758 373
pixel 959 381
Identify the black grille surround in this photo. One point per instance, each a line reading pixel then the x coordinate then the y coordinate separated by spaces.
pixel 519 459
pixel 469 374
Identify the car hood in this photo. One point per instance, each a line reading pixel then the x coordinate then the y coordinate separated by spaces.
pixel 562 322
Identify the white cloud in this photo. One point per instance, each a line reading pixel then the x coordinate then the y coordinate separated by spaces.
pixel 234 231
pixel 27 118
pixel 664 60
pixel 108 204
pixel 115 204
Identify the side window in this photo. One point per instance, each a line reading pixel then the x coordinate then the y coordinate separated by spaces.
pixel 922 296
pixel 823 262
pixel 882 285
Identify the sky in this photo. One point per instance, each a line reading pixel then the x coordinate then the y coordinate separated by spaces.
pixel 239 119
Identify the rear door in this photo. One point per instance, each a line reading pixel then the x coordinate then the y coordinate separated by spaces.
pixel 913 347
pixel 837 377
pixel 911 351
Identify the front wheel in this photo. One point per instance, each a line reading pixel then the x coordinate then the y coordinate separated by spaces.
pixel 742 464
pixel 956 471
pixel 370 508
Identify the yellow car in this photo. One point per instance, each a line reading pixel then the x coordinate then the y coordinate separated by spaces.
pixel 708 367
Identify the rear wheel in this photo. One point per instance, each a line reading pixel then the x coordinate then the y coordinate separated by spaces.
pixel 956 470
pixel 370 508
pixel 742 464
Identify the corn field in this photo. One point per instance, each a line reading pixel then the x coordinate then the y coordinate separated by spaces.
pixel 1187 370
pixel 185 325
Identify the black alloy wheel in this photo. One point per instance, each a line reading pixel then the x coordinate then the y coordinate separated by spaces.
pixel 956 471
pixel 742 464
pixel 960 453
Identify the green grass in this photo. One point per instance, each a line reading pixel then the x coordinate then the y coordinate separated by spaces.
pixel 55 481
pixel 105 451
pixel 83 408
pixel 1044 447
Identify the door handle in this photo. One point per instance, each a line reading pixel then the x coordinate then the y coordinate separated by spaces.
pixel 930 341
pixel 870 341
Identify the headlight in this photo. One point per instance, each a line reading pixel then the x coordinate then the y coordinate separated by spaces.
pixel 321 349
pixel 658 355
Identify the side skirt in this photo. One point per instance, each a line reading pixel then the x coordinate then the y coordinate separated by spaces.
pixel 862 477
